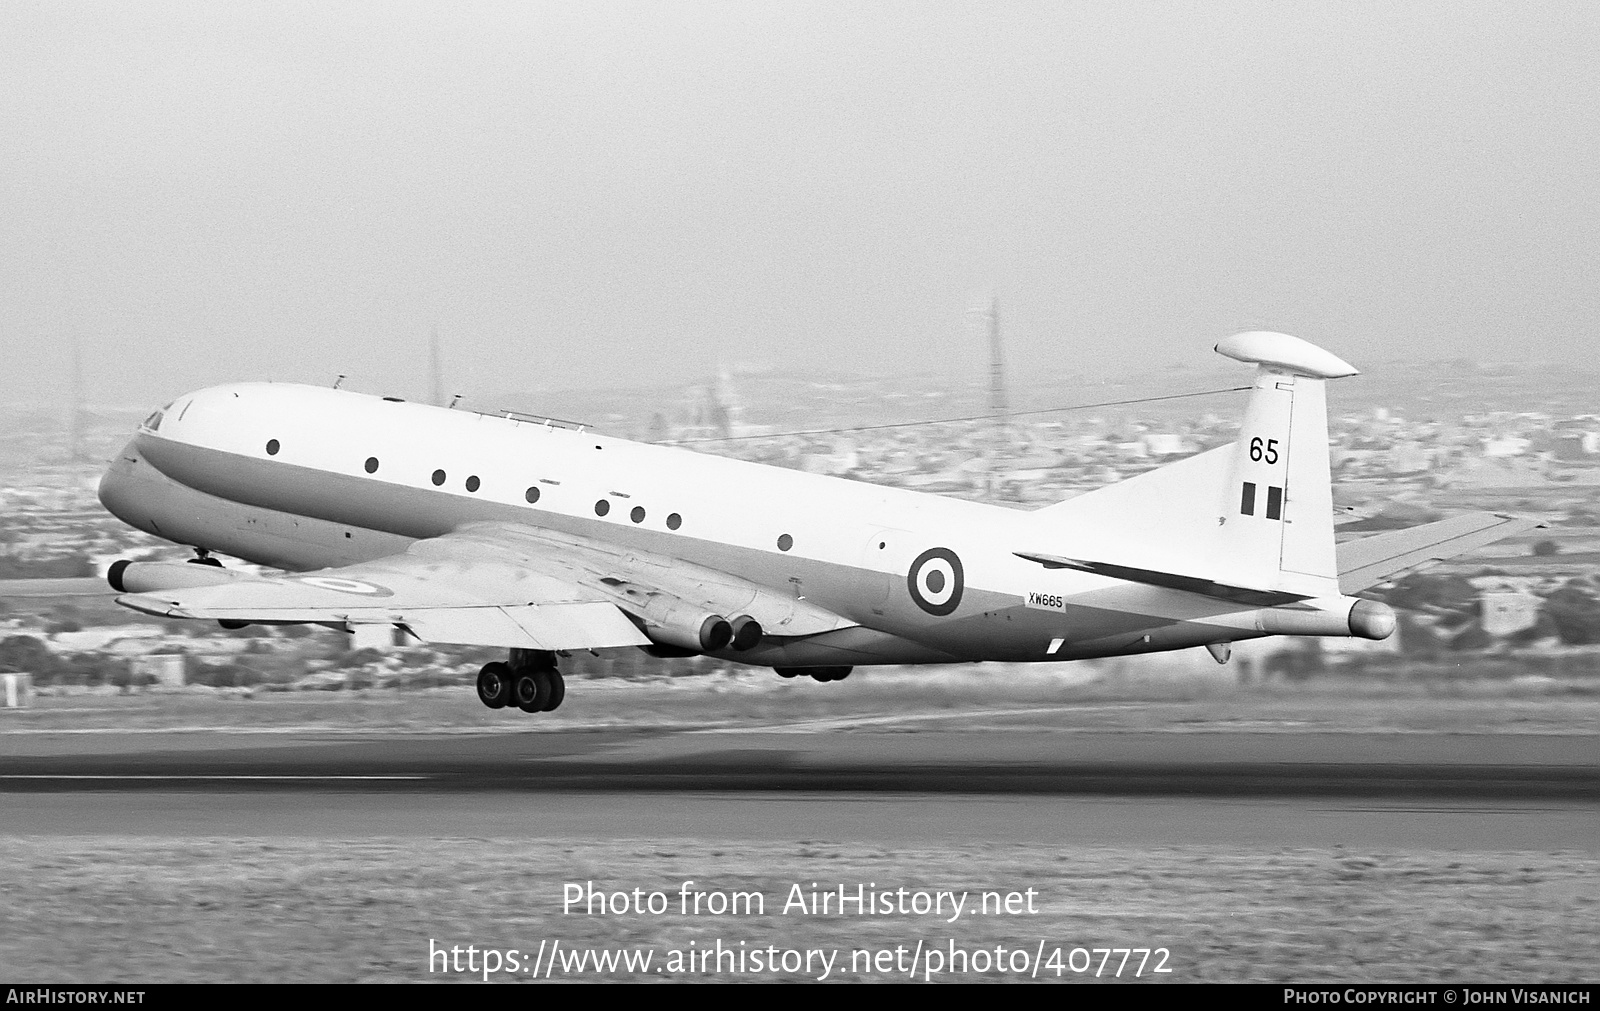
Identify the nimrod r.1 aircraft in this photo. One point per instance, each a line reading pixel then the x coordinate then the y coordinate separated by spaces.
pixel 467 528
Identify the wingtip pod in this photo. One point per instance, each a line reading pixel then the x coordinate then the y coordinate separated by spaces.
pixel 1279 350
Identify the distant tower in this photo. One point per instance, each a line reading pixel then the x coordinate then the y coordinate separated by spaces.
pixel 727 412
pixel 75 410
pixel 435 372
pixel 983 321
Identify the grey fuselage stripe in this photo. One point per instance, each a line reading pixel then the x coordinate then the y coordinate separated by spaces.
pixel 988 624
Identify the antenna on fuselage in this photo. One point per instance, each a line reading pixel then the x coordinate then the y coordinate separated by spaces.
pixel 456 400
pixel 336 382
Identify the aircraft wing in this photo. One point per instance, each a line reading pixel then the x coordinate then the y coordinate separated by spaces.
pixel 1373 560
pixel 498 584
pixel 440 590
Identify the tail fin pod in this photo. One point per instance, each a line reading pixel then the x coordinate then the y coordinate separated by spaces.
pixel 1258 513
pixel 1276 520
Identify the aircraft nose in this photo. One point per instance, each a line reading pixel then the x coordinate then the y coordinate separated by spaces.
pixel 116 484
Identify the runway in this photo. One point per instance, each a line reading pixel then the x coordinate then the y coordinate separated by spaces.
pixel 1249 855
pixel 1431 791
pixel 927 820
pixel 1474 767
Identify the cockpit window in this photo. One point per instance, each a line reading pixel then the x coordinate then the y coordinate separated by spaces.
pixel 154 421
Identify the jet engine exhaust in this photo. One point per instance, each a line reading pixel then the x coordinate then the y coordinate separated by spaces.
pixel 715 633
pixel 746 632
pixel 712 634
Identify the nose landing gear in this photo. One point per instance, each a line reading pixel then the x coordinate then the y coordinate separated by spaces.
pixel 530 682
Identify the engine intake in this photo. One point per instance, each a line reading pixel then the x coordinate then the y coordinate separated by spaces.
pixel 142 577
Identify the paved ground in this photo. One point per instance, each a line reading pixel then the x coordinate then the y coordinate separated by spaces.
pixel 1461 844
pixel 944 821
pixel 1471 767
pixel 1434 791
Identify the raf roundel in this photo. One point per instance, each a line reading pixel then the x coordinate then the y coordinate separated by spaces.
pixel 343 585
pixel 936 581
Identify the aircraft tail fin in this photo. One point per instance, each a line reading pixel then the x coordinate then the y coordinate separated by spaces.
pixel 1257 513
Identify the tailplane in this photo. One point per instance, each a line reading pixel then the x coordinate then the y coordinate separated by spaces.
pixel 1256 514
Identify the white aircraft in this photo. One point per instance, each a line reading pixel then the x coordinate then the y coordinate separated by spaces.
pixel 459 527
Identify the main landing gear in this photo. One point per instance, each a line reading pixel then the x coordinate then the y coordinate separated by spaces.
pixel 529 681
pixel 815 673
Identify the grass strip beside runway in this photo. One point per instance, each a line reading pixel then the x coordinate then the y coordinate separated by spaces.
pixel 181 910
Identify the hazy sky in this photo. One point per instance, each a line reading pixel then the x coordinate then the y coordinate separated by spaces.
pixel 612 193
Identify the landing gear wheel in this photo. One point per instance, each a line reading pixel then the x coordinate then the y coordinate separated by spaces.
pixel 787 672
pixel 531 690
pixel 558 690
pixel 494 685
pixel 830 673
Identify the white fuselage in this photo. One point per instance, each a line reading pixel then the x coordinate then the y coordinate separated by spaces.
pixel 304 478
